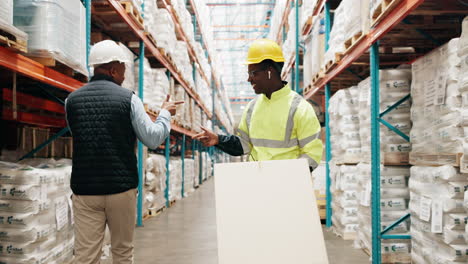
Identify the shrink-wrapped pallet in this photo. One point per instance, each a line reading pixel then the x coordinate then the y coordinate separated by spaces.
pixel 45 20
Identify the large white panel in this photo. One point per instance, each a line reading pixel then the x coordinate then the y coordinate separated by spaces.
pixel 266 213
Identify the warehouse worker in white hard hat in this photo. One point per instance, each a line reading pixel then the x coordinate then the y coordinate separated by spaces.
pixel 105 121
pixel 278 124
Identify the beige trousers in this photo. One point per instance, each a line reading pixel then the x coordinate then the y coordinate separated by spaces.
pixel 92 213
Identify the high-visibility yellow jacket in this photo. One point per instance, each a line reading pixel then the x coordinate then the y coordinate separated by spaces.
pixel 283 127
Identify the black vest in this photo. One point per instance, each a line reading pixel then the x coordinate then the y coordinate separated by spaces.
pixel 104 160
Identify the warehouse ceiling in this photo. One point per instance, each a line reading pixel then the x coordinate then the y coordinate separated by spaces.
pixel 236 23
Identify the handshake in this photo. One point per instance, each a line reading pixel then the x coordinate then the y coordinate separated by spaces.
pixel 170 106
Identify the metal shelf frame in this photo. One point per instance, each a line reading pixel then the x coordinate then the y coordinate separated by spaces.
pixel 371 43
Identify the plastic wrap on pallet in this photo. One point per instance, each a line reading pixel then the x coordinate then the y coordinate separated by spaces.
pixel 182 61
pixel 196 162
pixel 438 215
pixel 394 85
pixel 44 20
pixel 394 199
pixel 289 45
pixel 438 92
pixel 175 180
pixel 34 234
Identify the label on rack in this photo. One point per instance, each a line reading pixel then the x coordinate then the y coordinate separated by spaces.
pixel 425 208
pixel 430 93
pixel 61 214
pixel 70 206
pixel 437 216
pixel 441 87
pixel 367 194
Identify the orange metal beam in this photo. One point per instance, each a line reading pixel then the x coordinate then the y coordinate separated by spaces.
pixel 241 26
pixel 32 101
pixel 248 39
pixel 33 119
pixel 402 10
pixel 37 71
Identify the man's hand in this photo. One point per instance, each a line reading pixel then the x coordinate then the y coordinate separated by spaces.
pixel 170 106
pixel 207 137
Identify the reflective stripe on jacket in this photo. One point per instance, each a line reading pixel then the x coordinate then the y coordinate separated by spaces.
pixel 283 127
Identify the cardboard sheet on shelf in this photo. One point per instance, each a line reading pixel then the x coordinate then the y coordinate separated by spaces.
pixel 267 213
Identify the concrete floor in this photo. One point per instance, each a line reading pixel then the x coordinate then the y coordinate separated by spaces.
pixel 186 234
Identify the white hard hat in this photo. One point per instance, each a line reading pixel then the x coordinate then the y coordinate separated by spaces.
pixel 106 51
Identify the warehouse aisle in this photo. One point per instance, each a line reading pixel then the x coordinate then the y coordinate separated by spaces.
pixel 186 234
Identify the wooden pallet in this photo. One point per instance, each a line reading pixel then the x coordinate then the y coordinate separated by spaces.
pixel 352 42
pixel 151 38
pixel 58 66
pixel 132 11
pixel 318 77
pixel 12 41
pixel 382 10
pixel 395 158
pixel 439 159
pixel 331 64
pixel 321 204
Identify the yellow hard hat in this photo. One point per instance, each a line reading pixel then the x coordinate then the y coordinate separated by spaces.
pixel 264 49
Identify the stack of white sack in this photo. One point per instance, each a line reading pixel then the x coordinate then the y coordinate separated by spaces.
pixel 394 196
pixel 155 86
pixel 160 25
pixel 196 162
pixel 185 19
pixel 182 62
pixel 189 176
pixel 307 7
pixel 205 66
pixel 357 18
pixel 205 92
pixel 463 87
pixel 315 50
pixel 337 35
pixel 155 182
pixel 345 200
pixel 175 179
pixel 45 20
pixel 437 112
pixel 350 18
pixel 35 212
pixel 394 85
pixel 438 216
pixel 344 126
pixel 179 95
pixel 130 71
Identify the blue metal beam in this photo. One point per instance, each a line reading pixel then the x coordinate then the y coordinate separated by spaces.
pixel 395 105
pixel 47 142
pixel 327 126
pixel 375 153
pixel 394 129
pixel 399 221
pixel 140 145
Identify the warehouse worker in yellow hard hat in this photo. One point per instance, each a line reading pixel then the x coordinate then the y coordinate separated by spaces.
pixel 278 124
